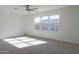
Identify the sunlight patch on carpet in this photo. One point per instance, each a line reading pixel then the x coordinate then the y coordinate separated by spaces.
pixel 21 42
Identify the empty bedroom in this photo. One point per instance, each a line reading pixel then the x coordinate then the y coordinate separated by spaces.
pixel 39 29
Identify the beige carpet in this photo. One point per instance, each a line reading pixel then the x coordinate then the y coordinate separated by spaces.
pixel 51 47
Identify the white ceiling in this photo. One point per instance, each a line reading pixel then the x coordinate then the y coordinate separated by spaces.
pixel 41 8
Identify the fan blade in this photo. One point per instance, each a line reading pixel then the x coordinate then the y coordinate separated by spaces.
pixel 34 8
pixel 31 9
pixel 35 11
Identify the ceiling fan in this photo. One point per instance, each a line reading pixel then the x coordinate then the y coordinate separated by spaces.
pixel 28 8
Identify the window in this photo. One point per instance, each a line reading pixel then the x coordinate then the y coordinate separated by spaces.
pixel 38 23
pixel 54 23
pixel 47 23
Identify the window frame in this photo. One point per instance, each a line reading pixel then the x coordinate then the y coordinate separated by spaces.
pixel 48 25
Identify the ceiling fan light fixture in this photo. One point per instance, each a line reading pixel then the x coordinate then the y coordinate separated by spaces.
pixel 28 9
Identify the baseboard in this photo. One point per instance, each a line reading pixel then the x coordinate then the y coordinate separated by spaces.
pixel 62 41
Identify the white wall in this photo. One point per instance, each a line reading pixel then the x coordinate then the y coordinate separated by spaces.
pixel 69 24
pixel 11 24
